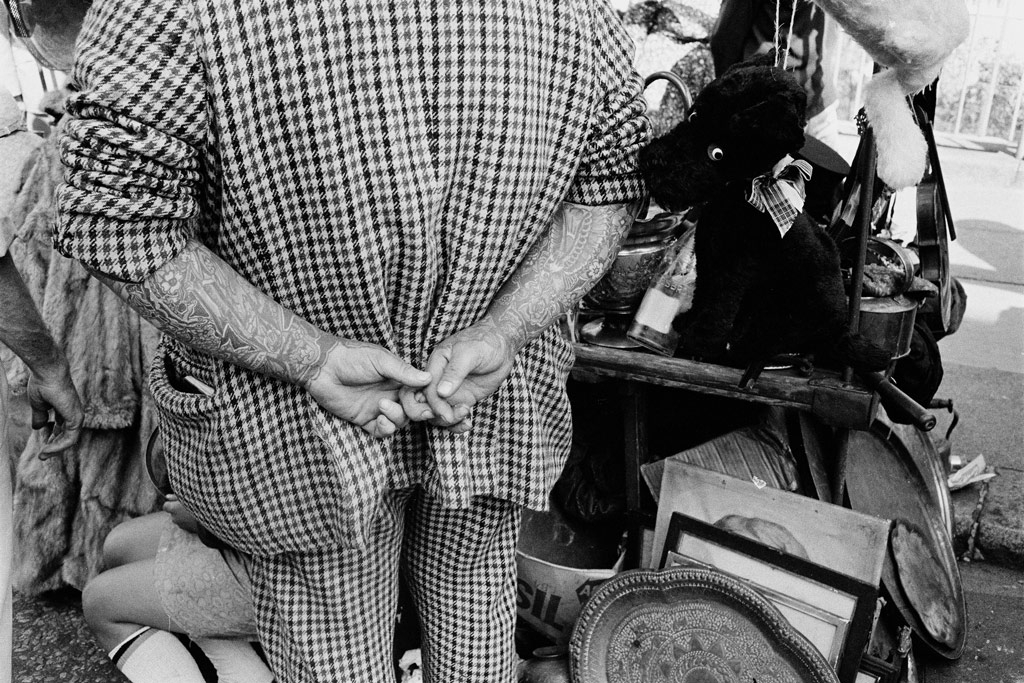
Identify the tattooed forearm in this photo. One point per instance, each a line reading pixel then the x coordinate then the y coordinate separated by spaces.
pixel 560 269
pixel 201 301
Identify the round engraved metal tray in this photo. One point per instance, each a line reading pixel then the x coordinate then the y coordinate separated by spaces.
pixel 686 624
pixel 890 475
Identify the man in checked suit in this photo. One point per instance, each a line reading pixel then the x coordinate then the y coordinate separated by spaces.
pixel 356 223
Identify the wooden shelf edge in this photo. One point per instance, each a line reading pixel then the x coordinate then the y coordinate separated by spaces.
pixel 825 394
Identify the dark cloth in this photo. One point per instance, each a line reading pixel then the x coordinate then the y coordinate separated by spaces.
pixel 919 373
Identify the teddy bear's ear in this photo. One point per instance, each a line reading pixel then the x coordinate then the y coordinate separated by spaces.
pixel 769 58
pixel 765 59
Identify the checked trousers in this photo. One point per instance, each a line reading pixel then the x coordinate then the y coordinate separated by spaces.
pixel 329 616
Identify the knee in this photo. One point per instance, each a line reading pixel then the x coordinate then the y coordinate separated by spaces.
pixel 117 546
pixel 98 599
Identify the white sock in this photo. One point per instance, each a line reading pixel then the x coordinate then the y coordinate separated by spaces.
pixel 235 660
pixel 156 657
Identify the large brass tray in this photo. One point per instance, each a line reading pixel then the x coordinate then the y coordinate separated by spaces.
pixel 682 625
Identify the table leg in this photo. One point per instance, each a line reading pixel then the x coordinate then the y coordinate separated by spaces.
pixel 839 467
pixel 634 404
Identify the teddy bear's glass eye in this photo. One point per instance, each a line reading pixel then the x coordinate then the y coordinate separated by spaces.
pixel 715 153
pixel 692 117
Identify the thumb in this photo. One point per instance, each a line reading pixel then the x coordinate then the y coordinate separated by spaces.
pixel 457 369
pixel 393 367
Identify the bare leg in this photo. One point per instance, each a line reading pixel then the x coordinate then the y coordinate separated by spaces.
pixel 134 540
pixel 125 613
pixel 122 600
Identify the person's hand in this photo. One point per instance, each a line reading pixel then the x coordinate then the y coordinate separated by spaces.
pixel 50 390
pixel 180 514
pixel 360 383
pixel 467 367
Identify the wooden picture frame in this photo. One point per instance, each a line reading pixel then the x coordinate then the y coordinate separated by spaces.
pixel 833 611
pixel 843 540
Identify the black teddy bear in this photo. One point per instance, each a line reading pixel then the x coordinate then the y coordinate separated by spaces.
pixel 759 293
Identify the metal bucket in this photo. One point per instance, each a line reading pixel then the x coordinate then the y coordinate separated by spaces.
pixel 889 322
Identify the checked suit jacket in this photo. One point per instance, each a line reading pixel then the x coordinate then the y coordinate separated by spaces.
pixel 379 167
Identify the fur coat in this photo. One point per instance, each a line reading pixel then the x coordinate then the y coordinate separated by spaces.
pixel 65 506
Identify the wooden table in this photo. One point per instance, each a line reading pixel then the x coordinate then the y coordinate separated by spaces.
pixel 835 401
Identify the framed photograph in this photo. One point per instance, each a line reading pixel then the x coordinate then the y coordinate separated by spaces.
pixel 833 611
pixel 845 541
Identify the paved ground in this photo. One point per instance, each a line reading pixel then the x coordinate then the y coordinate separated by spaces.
pixel 995 643
pixel 52 644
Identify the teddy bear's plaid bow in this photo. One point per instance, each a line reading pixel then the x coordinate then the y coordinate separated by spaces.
pixel 780 192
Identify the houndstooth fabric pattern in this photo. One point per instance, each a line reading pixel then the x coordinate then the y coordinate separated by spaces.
pixel 328 615
pixel 380 168
pixel 460 566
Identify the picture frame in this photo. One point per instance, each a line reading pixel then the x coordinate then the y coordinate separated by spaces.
pixel 833 611
pixel 848 542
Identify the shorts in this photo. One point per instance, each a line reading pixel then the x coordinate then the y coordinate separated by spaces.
pixel 205 591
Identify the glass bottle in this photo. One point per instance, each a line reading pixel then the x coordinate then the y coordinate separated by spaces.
pixel 669 295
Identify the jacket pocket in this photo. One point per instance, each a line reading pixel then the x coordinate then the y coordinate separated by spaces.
pixel 173 398
pixel 188 419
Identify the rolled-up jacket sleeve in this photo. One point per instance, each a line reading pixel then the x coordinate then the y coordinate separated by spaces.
pixel 132 140
pixel 609 171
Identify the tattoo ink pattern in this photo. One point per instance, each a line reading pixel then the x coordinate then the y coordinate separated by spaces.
pixel 202 302
pixel 561 268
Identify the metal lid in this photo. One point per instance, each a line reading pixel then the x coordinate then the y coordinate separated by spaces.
pixel 893 256
pixel 920 574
